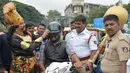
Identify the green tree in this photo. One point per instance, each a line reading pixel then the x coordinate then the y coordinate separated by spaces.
pixel 53 14
pixel 127 7
pixel 96 13
pixel 3 1
pixel 29 13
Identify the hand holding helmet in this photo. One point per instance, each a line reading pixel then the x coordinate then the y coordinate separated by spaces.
pixel 43 36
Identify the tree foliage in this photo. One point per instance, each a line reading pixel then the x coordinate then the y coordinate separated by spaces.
pixel 29 13
pixel 127 7
pixel 96 13
pixel 53 14
pixel 99 12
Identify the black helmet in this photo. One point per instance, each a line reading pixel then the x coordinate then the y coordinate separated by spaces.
pixel 54 27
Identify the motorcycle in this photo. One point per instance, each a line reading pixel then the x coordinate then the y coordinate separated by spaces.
pixel 60 67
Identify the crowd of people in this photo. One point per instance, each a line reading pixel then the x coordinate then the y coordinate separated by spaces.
pixel 24 49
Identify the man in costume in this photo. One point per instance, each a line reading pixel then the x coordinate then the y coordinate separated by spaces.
pixel 23 49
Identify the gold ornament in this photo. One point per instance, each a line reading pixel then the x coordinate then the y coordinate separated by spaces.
pixel 120 12
pixel 11 15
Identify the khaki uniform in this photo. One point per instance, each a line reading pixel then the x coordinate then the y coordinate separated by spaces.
pixel 117 50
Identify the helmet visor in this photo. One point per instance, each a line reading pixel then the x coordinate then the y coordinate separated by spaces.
pixel 54 29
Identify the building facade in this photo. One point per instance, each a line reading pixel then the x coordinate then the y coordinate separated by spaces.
pixel 79 7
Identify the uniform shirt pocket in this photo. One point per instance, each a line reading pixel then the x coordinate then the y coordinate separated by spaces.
pixel 108 53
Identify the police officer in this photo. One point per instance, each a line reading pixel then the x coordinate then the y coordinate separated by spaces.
pixel 117 47
pixel 56 49
pixel 83 42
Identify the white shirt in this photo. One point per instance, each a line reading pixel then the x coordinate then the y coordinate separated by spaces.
pixel 79 43
pixel 68 36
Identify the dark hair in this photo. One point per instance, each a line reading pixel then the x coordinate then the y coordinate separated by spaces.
pixel 111 17
pixel 81 18
pixel 42 25
pixel 29 24
pixel 72 22
pixel 10 32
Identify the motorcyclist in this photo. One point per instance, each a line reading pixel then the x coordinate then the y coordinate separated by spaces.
pixel 56 49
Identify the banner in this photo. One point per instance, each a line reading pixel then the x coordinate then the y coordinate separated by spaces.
pixel 98 23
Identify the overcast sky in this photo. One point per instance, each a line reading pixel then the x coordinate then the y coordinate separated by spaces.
pixel 44 6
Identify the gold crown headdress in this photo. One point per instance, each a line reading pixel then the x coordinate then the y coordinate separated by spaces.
pixel 11 15
pixel 120 12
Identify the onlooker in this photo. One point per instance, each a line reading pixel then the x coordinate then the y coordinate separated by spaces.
pixel 5 53
pixel 30 27
pixel 67 37
pixel 35 30
pixel 40 30
pixel 73 25
pixel 66 31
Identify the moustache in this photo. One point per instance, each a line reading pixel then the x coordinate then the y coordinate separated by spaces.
pixel 109 30
pixel 77 27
